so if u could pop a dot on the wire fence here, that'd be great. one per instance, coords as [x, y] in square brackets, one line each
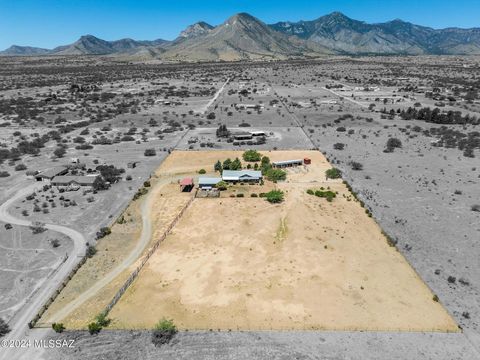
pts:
[147, 256]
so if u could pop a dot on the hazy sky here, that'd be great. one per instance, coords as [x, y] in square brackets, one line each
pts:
[49, 23]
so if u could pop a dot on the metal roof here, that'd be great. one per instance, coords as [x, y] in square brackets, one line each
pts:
[78, 179]
[209, 180]
[241, 174]
[186, 182]
[53, 172]
[287, 162]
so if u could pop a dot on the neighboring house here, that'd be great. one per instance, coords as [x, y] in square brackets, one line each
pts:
[50, 174]
[242, 136]
[74, 180]
[207, 183]
[258, 133]
[287, 163]
[241, 175]
[186, 185]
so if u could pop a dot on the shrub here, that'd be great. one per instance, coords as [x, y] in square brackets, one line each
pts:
[356, 165]
[333, 173]
[222, 185]
[91, 251]
[102, 319]
[8, 226]
[58, 327]
[476, 207]
[4, 328]
[275, 174]
[94, 328]
[338, 146]
[252, 156]
[253, 195]
[240, 195]
[104, 231]
[4, 174]
[392, 143]
[163, 332]
[20, 167]
[202, 171]
[274, 196]
[435, 298]
[150, 152]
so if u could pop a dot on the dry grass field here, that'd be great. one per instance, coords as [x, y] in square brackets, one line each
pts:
[242, 263]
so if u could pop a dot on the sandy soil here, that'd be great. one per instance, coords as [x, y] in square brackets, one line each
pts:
[305, 264]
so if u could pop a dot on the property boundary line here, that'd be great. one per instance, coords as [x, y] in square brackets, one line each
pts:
[150, 252]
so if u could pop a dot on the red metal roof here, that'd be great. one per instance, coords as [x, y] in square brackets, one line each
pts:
[186, 182]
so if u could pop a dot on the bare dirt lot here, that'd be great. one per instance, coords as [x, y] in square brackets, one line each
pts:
[242, 263]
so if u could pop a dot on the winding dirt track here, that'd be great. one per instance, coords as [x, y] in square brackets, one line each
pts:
[19, 322]
[143, 241]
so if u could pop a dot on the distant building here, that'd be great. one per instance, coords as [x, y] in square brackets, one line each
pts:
[242, 175]
[287, 163]
[50, 174]
[242, 136]
[207, 183]
[258, 133]
[74, 180]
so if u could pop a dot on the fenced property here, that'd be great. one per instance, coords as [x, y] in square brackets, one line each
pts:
[147, 256]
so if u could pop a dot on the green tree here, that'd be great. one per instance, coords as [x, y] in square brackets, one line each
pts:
[236, 164]
[275, 174]
[226, 164]
[251, 156]
[59, 152]
[274, 196]
[222, 185]
[218, 166]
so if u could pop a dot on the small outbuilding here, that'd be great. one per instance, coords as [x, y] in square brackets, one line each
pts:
[287, 163]
[208, 183]
[186, 184]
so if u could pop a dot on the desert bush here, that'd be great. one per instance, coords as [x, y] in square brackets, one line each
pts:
[58, 327]
[202, 171]
[356, 165]
[20, 167]
[104, 231]
[102, 320]
[163, 332]
[333, 173]
[91, 251]
[475, 207]
[94, 328]
[274, 196]
[150, 152]
[4, 328]
[338, 146]
[275, 174]
[4, 174]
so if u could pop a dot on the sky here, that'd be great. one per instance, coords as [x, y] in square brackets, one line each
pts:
[50, 23]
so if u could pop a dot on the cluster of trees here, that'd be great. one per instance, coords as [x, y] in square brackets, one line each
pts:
[450, 138]
[223, 132]
[436, 116]
[228, 165]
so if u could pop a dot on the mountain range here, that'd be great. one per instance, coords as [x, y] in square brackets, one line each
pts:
[244, 37]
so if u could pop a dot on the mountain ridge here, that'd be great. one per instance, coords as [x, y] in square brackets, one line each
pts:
[242, 36]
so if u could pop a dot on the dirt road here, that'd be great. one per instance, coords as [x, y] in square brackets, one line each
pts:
[143, 241]
[19, 322]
